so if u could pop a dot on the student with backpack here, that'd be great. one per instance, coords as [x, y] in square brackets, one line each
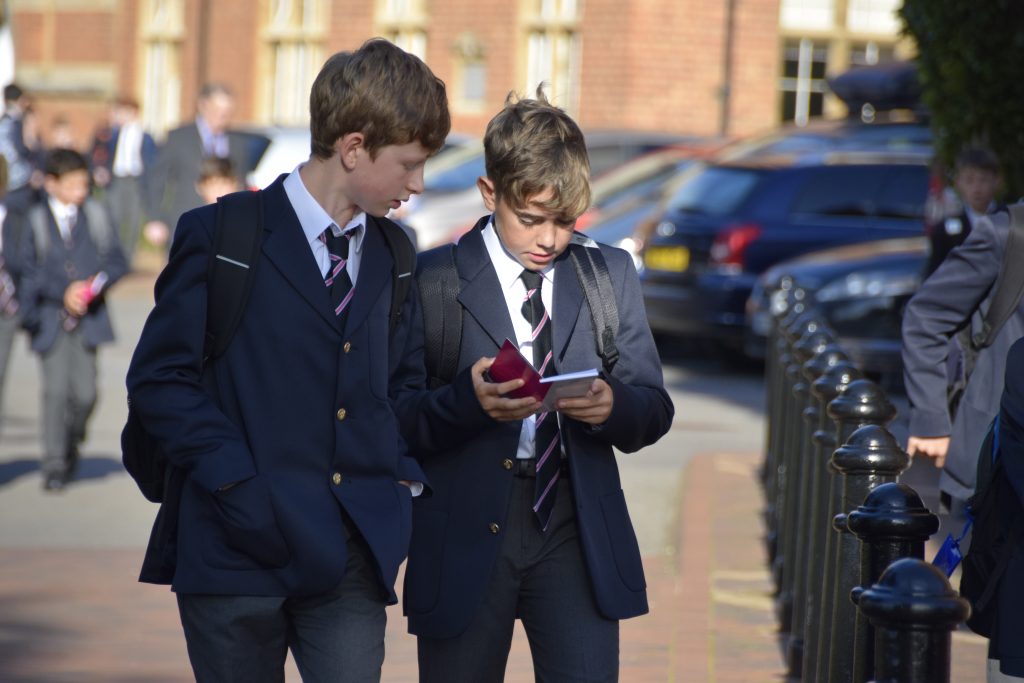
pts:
[70, 257]
[287, 497]
[527, 518]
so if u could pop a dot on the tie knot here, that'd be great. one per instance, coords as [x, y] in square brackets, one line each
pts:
[532, 279]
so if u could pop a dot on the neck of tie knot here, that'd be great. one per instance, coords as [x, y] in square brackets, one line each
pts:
[532, 279]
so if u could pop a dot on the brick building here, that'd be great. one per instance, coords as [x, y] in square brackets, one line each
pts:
[688, 66]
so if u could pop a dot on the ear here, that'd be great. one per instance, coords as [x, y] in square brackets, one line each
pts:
[349, 148]
[486, 187]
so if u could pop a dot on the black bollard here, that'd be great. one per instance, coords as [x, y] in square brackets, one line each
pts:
[826, 357]
[869, 458]
[891, 523]
[825, 389]
[792, 304]
[861, 403]
[807, 346]
[914, 612]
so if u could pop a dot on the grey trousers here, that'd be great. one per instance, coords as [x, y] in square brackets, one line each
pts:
[540, 578]
[69, 396]
[124, 197]
[8, 333]
[336, 637]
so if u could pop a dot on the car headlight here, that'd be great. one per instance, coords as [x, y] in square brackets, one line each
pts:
[869, 284]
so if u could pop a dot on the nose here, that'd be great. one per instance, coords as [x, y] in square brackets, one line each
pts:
[416, 181]
[546, 235]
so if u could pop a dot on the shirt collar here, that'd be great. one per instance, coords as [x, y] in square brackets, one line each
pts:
[312, 217]
[508, 268]
[60, 210]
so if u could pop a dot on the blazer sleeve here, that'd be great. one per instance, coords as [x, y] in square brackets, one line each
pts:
[642, 410]
[943, 305]
[164, 377]
[1011, 419]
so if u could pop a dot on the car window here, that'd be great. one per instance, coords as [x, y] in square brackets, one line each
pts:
[903, 193]
[839, 191]
[714, 191]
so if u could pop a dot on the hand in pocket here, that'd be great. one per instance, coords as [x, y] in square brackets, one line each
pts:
[249, 524]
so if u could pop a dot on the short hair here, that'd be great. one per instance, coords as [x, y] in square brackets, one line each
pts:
[127, 101]
[208, 90]
[13, 92]
[531, 146]
[980, 158]
[216, 167]
[381, 91]
[61, 161]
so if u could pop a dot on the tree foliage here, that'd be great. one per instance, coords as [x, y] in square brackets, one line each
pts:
[971, 67]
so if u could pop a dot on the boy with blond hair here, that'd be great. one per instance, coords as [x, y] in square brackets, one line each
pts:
[287, 509]
[527, 519]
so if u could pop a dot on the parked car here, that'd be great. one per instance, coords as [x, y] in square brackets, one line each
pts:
[860, 291]
[731, 220]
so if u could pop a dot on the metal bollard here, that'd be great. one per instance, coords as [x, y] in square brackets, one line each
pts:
[892, 523]
[869, 458]
[914, 612]
[825, 358]
[798, 451]
[825, 389]
[861, 403]
[774, 348]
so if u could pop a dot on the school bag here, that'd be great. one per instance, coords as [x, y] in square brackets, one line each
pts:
[101, 228]
[438, 281]
[238, 226]
[1006, 295]
[997, 518]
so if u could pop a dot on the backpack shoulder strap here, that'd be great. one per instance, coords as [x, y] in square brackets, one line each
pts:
[1009, 285]
[438, 279]
[596, 282]
[37, 218]
[404, 256]
[101, 226]
[236, 247]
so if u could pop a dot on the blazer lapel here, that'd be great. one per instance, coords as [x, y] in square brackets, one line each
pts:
[375, 268]
[480, 293]
[567, 304]
[286, 247]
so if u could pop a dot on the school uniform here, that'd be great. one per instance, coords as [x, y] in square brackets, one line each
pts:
[480, 556]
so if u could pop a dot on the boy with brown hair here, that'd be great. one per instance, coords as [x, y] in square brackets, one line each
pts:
[287, 511]
[217, 178]
[527, 519]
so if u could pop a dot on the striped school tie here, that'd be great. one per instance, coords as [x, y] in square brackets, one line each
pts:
[337, 278]
[547, 449]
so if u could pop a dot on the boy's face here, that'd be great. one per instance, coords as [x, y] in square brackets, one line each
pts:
[977, 187]
[70, 188]
[534, 235]
[382, 184]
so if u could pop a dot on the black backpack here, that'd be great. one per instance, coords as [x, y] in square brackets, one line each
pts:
[438, 281]
[233, 260]
[996, 515]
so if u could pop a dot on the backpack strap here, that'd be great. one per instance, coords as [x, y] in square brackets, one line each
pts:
[1009, 285]
[438, 279]
[404, 256]
[37, 218]
[101, 226]
[238, 227]
[596, 282]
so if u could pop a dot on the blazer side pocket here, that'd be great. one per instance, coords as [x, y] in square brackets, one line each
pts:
[426, 558]
[250, 527]
[622, 540]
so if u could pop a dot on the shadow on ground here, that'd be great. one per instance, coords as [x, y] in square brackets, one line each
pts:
[92, 467]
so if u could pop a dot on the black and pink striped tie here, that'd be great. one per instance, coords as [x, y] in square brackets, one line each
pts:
[546, 442]
[337, 278]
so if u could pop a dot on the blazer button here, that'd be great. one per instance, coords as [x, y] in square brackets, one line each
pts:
[341, 414]
[347, 347]
[494, 527]
[336, 478]
[507, 463]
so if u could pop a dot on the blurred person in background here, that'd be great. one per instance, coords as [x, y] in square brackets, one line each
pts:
[15, 147]
[10, 321]
[121, 155]
[976, 179]
[70, 256]
[171, 186]
[217, 178]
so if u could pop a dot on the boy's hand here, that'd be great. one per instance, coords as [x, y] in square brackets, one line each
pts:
[593, 408]
[491, 398]
[932, 446]
[76, 298]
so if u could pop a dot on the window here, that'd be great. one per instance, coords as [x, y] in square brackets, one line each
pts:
[162, 32]
[873, 16]
[714, 191]
[404, 23]
[867, 54]
[903, 193]
[840, 191]
[803, 80]
[807, 14]
[293, 40]
[553, 50]
[470, 87]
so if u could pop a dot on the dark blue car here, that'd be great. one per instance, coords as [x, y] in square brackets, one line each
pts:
[731, 220]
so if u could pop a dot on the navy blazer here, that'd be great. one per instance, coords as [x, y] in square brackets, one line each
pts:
[462, 449]
[42, 282]
[296, 410]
